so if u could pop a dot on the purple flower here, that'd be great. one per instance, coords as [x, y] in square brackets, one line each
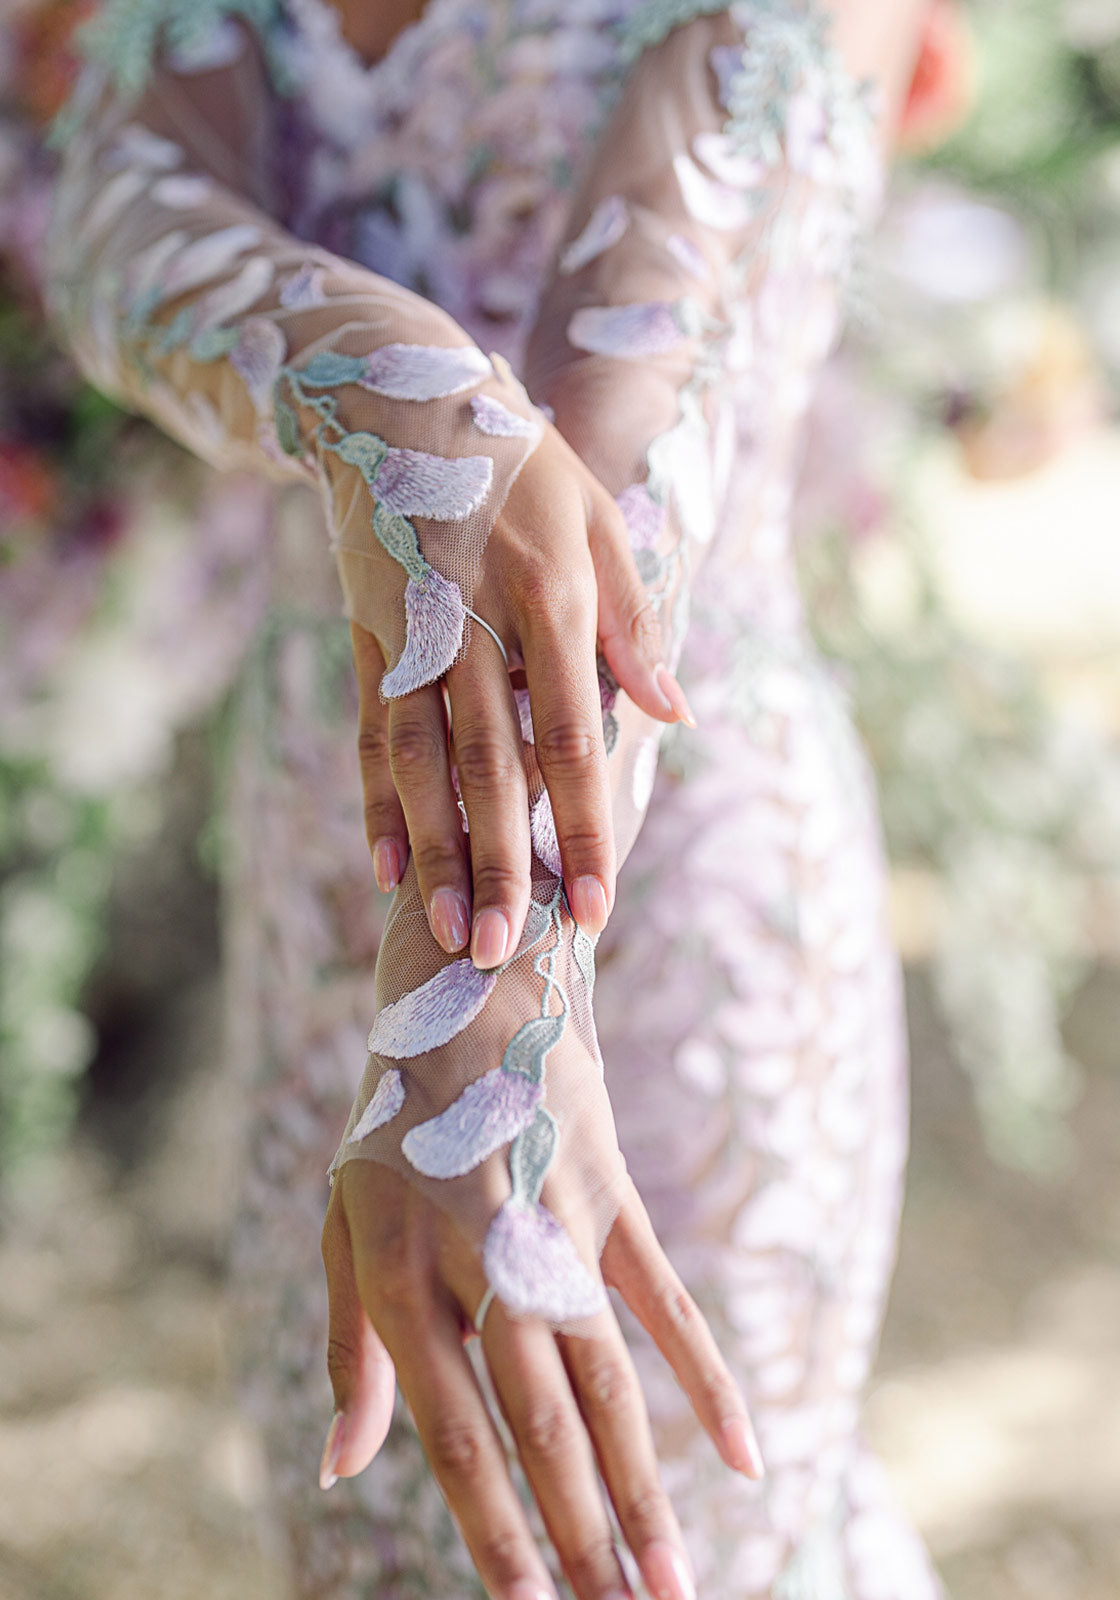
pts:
[493, 418]
[432, 1014]
[413, 483]
[434, 618]
[305, 288]
[542, 830]
[533, 1268]
[424, 372]
[606, 226]
[633, 333]
[388, 1098]
[716, 205]
[645, 519]
[488, 1114]
[258, 356]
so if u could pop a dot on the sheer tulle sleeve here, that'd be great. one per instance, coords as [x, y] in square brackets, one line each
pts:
[181, 295]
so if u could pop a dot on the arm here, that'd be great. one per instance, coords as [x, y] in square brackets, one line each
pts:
[180, 293]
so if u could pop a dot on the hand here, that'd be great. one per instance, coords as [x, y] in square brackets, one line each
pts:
[404, 1286]
[556, 575]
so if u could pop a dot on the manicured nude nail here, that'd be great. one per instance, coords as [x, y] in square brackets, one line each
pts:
[588, 900]
[666, 1573]
[328, 1467]
[741, 1447]
[450, 923]
[387, 867]
[491, 937]
[675, 695]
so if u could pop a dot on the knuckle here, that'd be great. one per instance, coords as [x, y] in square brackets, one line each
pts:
[592, 1565]
[548, 1429]
[646, 1512]
[486, 764]
[342, 1357]
[455, 1448]
[605, 1386]
[373, 744]
[677, 1308]
[437, 860]
[645, 630]
[574, 745]
[502, 1555]
[413, 749]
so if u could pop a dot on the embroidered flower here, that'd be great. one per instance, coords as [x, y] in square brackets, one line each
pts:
[493, 418]
[183, 191]
[258, 356]
[424, 372]
[208, 258]
[645, 519]
[606, 226]
[227, 302]
[388, 1098]
[534, 1269]
[633, 333]
[304, 289]
[415, 484]
[432, 1014]
[714, 204]
[542, 830]
[434, 618]
[489, 1113]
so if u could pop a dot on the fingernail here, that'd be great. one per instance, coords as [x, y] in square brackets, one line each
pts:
[387, 864]
[526, 1589]
[675, 695]
[741, 1447]
[328, 1467]
[491, 936]
[588, 900]
[666, 1573]
[450, 923]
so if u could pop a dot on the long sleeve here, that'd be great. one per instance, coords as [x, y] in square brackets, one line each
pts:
[181, 295]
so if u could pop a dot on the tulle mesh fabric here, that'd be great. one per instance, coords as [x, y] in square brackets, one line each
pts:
[735, 136]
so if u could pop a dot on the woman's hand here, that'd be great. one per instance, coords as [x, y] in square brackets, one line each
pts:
[556, 576]
[404, 1286]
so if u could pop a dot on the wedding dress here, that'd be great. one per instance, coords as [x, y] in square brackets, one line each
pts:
[331, 273]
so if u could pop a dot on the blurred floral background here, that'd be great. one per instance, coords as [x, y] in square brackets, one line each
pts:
[960, 523]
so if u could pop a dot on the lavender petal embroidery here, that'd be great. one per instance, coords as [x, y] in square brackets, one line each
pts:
[182, 191]
[415, 484]
[542, 830]
[304, 289]
[645, 519]
[258, 356]
[207, 257]
[493, 418]
[424, 372]
[524, 715]
[434, 617]
[634, 332]
[388, 1098]
[726, 161]
[138, 146]
[533, 1268]
[488, 1114]
[689, 256]
[231, 299]
[605, 227]
[432, 1014]
[714, 204]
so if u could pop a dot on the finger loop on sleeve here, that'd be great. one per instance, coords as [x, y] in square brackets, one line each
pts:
[474, 616]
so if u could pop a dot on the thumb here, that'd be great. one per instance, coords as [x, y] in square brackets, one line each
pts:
[629, 631]
[363, 1378]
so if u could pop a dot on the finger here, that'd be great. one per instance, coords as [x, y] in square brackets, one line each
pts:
[537, 1401]
[421, 770]
[610, 1401]
[629, 632]
[466, 1455]
[386, 830]
[488, 755]
[634, 1263]
[558, 645]
[363, 1380]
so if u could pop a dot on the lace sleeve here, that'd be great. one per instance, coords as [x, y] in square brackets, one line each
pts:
[181, 295]
[738, 163]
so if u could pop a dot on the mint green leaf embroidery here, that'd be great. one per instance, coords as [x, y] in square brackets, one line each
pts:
[527, 1049]
[213, 343]
[287, 427]
[364, 451]
[397, 536]
[584, 951]
[328, 369]
[531, 1155]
